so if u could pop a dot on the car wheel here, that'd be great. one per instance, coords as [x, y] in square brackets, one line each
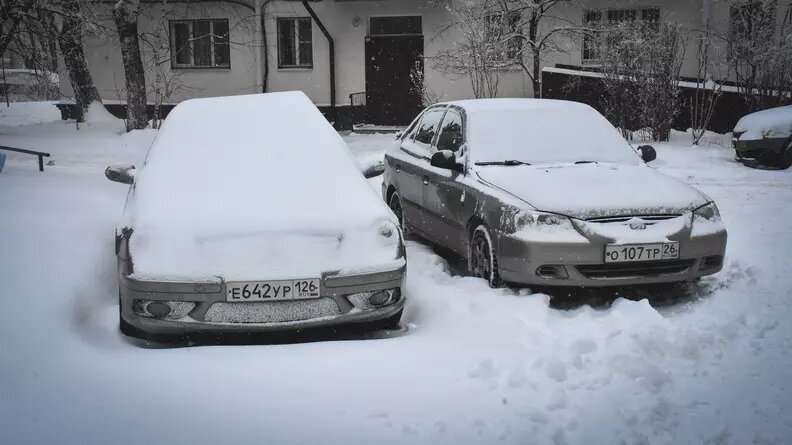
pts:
[482, 262]
[784, 159]
[395, 205]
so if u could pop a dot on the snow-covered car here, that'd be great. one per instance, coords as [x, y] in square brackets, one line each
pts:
[249, 214]
[765, 136]
[544, 192]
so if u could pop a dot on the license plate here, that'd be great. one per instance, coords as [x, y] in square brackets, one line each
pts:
[243, 292]
[624, 253]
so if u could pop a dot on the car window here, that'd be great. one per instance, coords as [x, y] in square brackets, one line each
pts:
[450, 137]
[425, 133]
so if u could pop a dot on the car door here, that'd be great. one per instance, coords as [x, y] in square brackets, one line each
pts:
[445, 195]
[411, 168]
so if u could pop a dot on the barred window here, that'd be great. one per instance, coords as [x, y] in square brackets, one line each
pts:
[295, 42]
[200, 43]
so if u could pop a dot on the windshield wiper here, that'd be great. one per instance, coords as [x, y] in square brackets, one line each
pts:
[510, 162]
[586, 162]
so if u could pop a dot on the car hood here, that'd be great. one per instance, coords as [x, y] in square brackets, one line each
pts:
[594, 190]
[256, 256]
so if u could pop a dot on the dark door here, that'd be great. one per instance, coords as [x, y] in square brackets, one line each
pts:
[394, 78]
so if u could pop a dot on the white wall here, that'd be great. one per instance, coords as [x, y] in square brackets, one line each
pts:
[104, 55]
[349, 40]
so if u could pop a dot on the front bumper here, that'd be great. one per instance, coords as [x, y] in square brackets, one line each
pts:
[581, 263]
[204, 308]
[748, 149]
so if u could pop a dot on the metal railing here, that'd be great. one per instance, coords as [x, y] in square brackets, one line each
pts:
[40, 154]
[357, 99]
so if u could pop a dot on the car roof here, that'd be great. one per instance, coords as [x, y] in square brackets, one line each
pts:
[488, 105]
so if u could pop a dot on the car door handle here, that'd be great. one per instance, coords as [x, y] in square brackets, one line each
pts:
[426, 180]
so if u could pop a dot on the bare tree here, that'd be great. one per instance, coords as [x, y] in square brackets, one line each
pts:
[708, 89]
[125, 13]
[70, 40]
[760, 52]
[532, 36]
[641, 63]
[478, 50]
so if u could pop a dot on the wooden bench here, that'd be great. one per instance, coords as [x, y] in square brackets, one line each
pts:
[40, 154]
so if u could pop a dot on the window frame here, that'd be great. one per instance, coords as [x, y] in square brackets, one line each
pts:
[212, 44]
[461, 117]
[296, 42]
[603, 15]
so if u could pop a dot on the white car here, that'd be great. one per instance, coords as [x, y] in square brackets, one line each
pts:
[248, 215]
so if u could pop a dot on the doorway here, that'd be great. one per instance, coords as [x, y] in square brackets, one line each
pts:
[394, 69]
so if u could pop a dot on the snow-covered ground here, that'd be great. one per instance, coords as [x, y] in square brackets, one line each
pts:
[474, 365]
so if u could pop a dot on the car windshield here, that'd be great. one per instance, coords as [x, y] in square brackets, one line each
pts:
[546, 135]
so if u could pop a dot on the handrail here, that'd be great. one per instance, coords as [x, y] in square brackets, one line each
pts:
[40, 154]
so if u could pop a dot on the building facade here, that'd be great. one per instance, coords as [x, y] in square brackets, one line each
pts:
[344, 52]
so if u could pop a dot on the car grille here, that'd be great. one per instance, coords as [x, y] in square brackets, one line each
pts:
[272, 311]
[648, 219]
[632, 270]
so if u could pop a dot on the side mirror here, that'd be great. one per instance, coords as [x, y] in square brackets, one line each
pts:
[399, 135]
[648, 153]
[123, 173]
[445, 159]
[374, 170]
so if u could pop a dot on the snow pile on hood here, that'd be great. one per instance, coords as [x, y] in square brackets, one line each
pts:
[538, 131]
[252, 187]
[772, 123]
[595, 190]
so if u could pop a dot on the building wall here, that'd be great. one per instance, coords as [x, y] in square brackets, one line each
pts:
[340, 19]
[104, 54]
[347, 22]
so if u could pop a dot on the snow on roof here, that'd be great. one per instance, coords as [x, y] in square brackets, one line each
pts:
[770, 123]
[256, 161]
[477, 105]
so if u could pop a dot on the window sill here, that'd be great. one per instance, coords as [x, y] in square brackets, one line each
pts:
[295, 68]
[200, 68]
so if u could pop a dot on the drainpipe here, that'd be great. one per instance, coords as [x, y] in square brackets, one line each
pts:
[331, 46]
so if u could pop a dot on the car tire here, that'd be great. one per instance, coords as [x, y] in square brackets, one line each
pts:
[784, 159]
[394, 202]
[482, 261]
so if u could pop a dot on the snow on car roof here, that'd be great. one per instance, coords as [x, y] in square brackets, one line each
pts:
[771, 123]
[262, 161]
[476, 105]
[528, 130]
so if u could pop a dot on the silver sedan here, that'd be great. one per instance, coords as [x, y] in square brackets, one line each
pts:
[543, 192]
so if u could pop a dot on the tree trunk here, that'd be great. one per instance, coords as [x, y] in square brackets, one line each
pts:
[126, 14]
[70, 41]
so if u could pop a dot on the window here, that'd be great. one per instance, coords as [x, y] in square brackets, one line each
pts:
[591, 20]
[450, 137]
[507, 26]
[200, 44]
[425, 133]
[388, 26]
[295, 42]
[597, 20]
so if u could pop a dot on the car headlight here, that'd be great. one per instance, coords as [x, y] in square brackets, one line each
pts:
[709, 212]
[542, 220]
[388, 233]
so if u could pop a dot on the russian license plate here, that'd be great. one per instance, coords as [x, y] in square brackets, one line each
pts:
[243, 292]
[624, 253]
